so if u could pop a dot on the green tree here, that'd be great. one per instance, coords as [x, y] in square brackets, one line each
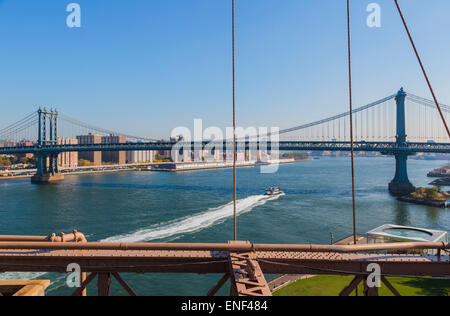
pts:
[5, 161]
[432, 194]
[84, 163]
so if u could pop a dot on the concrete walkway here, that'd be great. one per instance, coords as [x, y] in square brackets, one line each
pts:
[287, 279]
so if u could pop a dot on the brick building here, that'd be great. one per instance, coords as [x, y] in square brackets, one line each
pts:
[114, 157]
[68, 159]
[95, 157]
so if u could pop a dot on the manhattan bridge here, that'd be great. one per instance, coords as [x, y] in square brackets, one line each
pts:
[400, 125]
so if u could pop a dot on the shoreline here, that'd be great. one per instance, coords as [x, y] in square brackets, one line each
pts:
[140, 169]
[410, 199]
[65, 174]
[211, 166]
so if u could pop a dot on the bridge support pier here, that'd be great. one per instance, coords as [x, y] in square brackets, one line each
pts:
[47, 170]
[401, 185]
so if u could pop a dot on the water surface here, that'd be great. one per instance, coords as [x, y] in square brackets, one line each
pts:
[196, 207]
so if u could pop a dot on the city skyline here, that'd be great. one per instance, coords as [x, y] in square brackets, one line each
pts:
[147, 67]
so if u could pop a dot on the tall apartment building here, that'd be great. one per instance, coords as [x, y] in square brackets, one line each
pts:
[138, 156]
[95, 157]
[69, 159]
[115, 157]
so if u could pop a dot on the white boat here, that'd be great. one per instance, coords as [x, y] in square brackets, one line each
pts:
[273, 191]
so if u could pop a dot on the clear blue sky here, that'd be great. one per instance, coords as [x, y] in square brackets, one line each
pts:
[146, 66]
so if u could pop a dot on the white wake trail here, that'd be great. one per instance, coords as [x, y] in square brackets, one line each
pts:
[193, 223]
[19, 276]
[187, 225]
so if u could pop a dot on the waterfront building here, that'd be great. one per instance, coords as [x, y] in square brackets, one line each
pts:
[213, 155]
[165, 153]
[67, 159]
[252, 154]
[139, 156]
[248, 155]
[262, 156]
[181, 156]
[114, 157]
[228, 155]
[240, 156]
[94, 157]
[198, 155]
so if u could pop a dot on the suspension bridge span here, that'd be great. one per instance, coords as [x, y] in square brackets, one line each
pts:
[400, 125]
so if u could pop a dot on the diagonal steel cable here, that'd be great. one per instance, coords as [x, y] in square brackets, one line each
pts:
[351, 119]
[101, 130]
[422, 67]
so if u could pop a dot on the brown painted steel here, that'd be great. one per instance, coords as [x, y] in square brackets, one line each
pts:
[219, 285]
[389, 286]
[104, 284]
[353, 286]
[247, 277]
[370, 291]
[124, 284]
[243, 247]
[234, 118]
[352, 142]
[73, 237]
[84, 284]
[251, 261]
[422, 67]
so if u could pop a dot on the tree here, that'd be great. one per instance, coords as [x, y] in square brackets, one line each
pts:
[432, 194]
[84, 163]
[5, 161]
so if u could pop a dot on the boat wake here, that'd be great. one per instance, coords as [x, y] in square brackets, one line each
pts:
[194, 223]
[17, 276]
[182, 226]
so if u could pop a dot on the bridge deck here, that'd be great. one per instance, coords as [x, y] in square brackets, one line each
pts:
[387, 147]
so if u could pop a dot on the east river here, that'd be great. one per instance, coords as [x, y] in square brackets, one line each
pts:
[197, 207]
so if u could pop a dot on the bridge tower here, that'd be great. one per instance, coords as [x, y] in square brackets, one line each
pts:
[401, 185]
[47, 161]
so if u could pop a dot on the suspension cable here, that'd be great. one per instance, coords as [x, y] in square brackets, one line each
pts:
[18, 129]
[351, 119]
[422, 67]
[426, 102]
[100, 130]
[234, 121]
[21, 122]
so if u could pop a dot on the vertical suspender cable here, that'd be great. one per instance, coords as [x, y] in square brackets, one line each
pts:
[234, 123]
[351, 120]
[422, 66]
